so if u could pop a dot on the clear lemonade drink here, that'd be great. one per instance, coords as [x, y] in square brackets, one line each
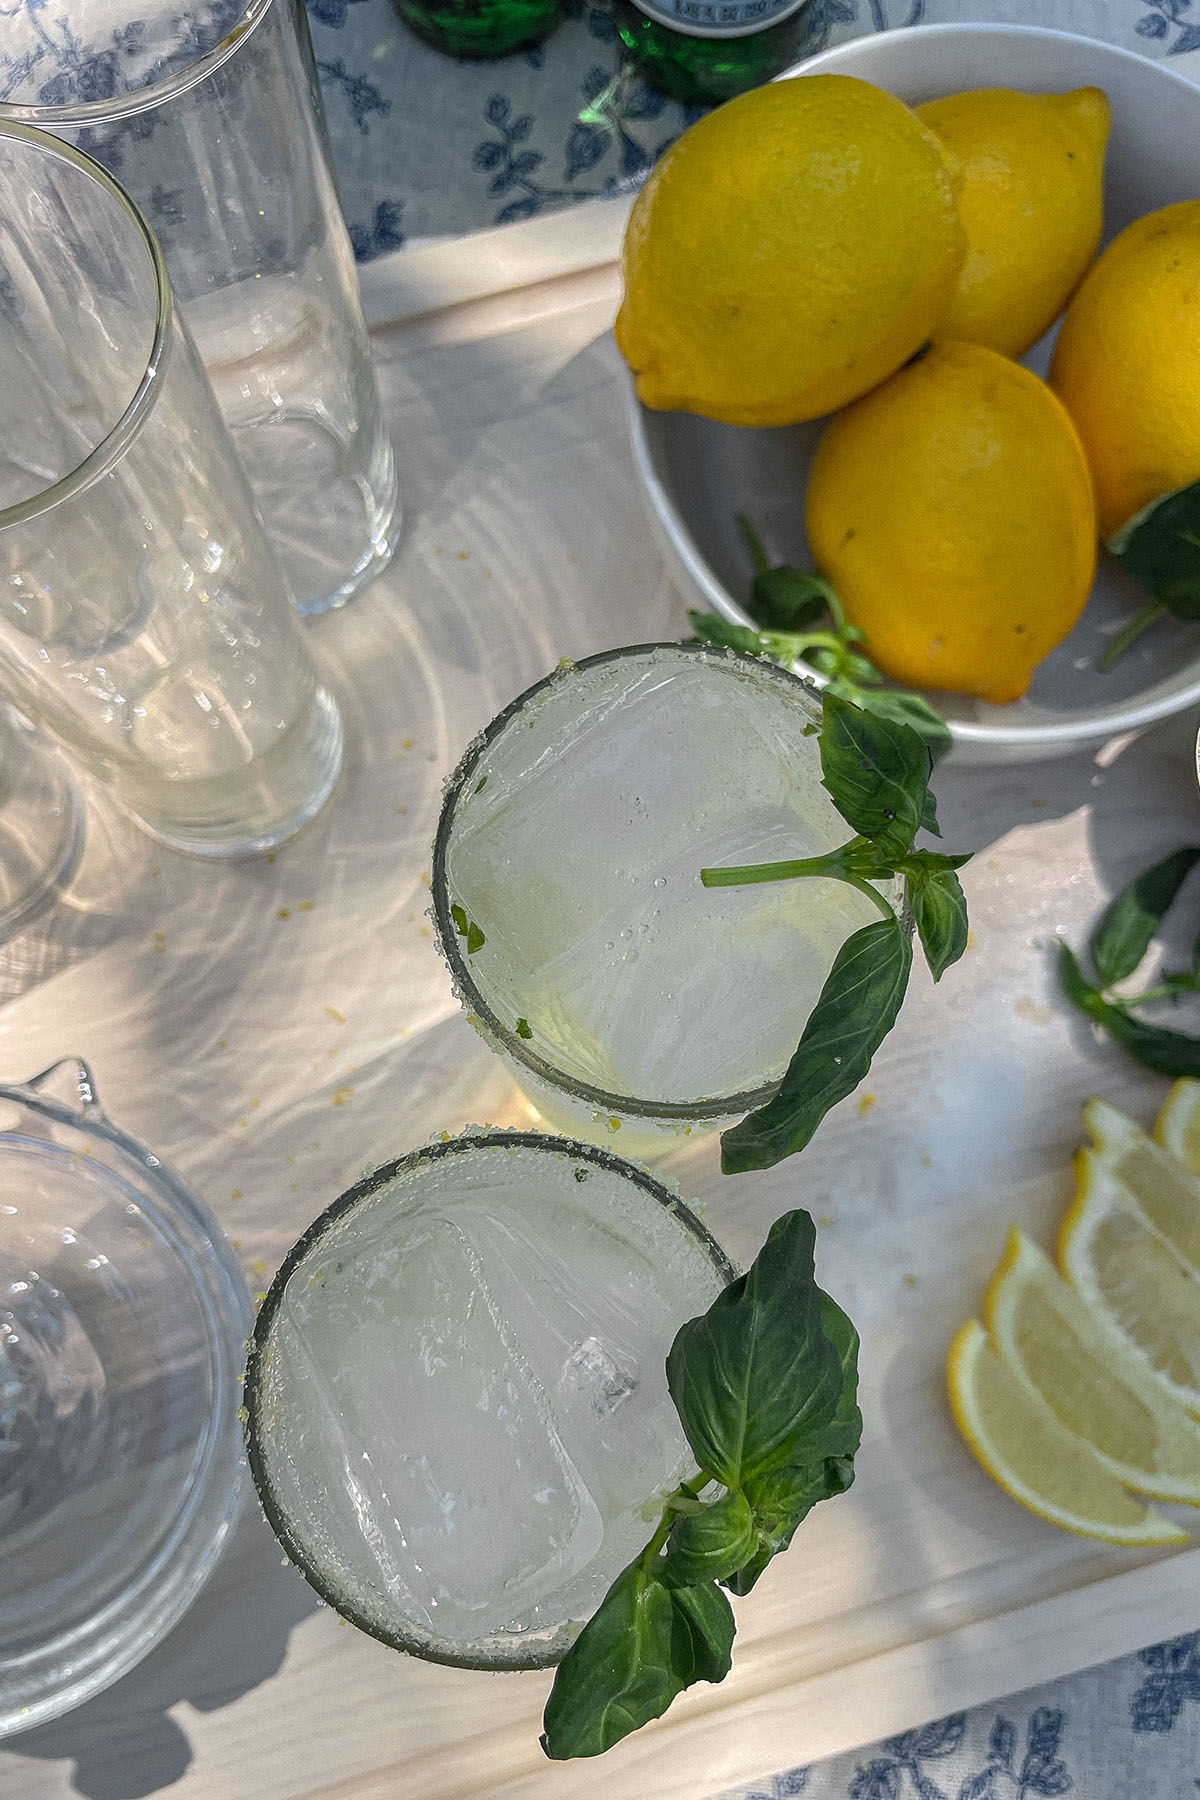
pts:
[457, 1410]
[568, 900]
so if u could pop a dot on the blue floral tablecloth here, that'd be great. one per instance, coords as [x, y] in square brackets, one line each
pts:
[429, 147]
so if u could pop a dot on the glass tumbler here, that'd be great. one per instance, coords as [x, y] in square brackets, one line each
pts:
[144, 620]
[210, 116]
[41, 824]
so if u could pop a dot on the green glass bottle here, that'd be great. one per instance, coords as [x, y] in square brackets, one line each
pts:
[481, 28]
[704, 51]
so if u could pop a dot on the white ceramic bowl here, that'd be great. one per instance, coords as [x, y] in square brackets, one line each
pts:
[699, 475]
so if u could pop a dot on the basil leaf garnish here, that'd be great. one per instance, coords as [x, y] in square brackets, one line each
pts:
[939, 909]
[645, 1644]
[713, 1542]
[856, 1009]
[735, 1374]
[765, 1385]
[876, 771]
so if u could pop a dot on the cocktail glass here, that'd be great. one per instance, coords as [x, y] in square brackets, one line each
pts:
[457, 1412]
[567, 897]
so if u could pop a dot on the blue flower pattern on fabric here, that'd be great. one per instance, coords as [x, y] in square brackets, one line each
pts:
[1174, 1677]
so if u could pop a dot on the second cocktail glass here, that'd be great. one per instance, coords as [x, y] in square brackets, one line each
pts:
[457, 1409]
[567, 895]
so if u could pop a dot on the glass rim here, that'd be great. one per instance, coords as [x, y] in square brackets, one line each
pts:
[258, 1345]
[113, 446]
[152, 94]
[600, 1100]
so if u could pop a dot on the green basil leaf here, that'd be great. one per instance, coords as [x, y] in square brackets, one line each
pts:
[876, 772]
[713, 1542]
[782, 1498]
[1078, 990]
[710, 628]
[787, 599]
[755, 1377]
[907, 709]
[467, 928]
[1127, 925]
[1170, 1053]
[856, 1009]
[1160, 548]
[644, 1645]
[940, 911]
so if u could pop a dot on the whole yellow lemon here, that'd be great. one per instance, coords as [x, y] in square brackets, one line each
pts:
[952, 511]
[789, 250]
[1127, 363]
[1031, 178]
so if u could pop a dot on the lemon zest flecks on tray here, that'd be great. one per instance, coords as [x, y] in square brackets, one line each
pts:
[1080, 1391]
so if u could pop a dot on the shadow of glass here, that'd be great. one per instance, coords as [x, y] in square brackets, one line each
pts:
[124, 1744]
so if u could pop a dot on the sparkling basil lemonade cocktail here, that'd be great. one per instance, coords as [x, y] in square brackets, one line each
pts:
[457, 1410]
[568, 901]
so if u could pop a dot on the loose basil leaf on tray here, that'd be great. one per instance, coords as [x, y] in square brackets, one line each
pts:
[765, 1385]
[1117, 945]
[876, 771]
[1127, 925]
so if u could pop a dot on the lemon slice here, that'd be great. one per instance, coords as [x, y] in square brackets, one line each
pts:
[1022, 1445]
[1177, 1128]
[1046, 1335]
[1164, 1191]
[1136, 1287]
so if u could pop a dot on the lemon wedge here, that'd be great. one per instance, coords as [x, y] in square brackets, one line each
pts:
[1164, 1190]
[1046, 1334]
[1138, 1289]
[1177, 1127]
[1035, 1459]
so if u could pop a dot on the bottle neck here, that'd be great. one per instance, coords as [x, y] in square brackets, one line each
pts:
[718, 18]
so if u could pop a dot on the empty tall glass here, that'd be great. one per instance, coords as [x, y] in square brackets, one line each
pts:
[41, 824]
[144, 620]
[211, 117]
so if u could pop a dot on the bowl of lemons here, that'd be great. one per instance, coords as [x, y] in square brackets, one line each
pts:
[914, 338]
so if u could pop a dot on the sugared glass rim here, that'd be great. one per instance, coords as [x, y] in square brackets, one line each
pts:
[598, 1099]
[113, 446]
[153, 93]
[259, 1346]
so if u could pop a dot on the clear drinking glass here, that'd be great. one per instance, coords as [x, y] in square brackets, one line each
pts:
[211, 117]
[457, 1411]
[41, 824]
[144, 622]
[567, 897]
[123, 1312]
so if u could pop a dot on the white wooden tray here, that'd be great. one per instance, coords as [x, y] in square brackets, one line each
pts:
[273, 1028]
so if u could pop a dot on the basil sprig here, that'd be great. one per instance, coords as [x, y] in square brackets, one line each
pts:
[799, 618]
[1160, 548]
[765, 1386]
[1118, 943]
[876, 771]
